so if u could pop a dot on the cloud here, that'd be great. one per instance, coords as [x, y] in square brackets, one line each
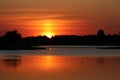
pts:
[39, 14]
[29, 11]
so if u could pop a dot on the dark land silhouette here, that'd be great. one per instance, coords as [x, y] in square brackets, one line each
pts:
[13, 40]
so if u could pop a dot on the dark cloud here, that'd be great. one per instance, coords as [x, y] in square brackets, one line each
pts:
[29, 11]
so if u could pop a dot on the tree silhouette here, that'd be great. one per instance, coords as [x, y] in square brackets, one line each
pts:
[12, 36]
[13, 40]
[100, 33]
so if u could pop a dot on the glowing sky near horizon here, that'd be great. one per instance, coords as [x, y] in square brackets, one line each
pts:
[66, 17]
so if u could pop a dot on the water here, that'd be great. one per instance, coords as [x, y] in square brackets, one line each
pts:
[60, 63]
[66, 51]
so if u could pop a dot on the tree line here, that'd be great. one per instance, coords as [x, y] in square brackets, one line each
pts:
[14, 39]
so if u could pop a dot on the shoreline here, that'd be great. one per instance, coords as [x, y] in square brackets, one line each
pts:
[25, 48]
[44, 47]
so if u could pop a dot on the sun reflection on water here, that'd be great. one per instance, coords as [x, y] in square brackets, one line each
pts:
[48, 62]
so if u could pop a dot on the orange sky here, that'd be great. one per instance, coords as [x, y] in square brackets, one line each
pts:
[59, 17]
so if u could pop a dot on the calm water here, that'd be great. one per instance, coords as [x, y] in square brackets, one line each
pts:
[61, 63]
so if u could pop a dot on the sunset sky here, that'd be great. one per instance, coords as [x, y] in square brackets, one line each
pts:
[59, 17]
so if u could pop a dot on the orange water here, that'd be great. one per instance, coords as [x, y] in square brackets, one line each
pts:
[46, 67]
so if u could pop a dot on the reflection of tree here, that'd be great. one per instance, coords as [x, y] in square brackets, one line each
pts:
[12, 61]
[100, 60]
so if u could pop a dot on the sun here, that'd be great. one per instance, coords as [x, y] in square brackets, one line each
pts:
[48, 28]
[48, 34]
